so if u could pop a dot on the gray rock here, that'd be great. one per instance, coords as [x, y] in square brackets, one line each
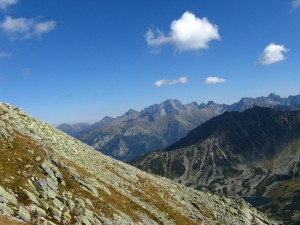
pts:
[3, 200]
[9, 197]
[32, 197]
[70, 204]
[40, 212]
[58, 204]
[80, 203]
[38, 159]
[55, 212]
[24, 214]
[89, 203]
[6, 209]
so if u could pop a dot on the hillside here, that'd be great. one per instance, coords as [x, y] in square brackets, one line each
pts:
[250, 153]
[160, 125]
[47, 177]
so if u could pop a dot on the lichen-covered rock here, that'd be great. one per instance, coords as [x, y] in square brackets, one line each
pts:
[24, 214]
[6, 209]
[6, 196]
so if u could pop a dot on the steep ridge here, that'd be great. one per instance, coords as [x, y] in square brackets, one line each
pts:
[47, 177]
[136, 133]
[250, 153]
[160, 125]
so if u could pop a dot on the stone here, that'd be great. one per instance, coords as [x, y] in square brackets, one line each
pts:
[40, 212]
[3, 200]
[70, 204]
[9, 197]
[38, 159]
[6, 209]
[24, 214]
[58, 204]
[80, 203]
[32, 197]
[88, 213]
[55, 212]
[89, 203]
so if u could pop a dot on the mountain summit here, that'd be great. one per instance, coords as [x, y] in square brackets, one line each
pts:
[160, 125]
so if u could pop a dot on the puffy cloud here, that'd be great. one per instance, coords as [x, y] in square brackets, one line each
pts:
[22, 28]
[187, 33]
[4, 4]
[295, 4]
[214, 80]
[163, 82]
[272, 53]
[5, 55]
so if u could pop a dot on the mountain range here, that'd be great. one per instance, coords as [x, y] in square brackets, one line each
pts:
[160, 125]
[48, 177]
[254, 153]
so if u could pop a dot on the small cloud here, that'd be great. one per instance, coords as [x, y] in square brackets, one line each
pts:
[164, 82]
[22, 28]
[26, 72]
[214, 80]
[295, 4]
[4, 4]
[187, 33]
[5, 55]
[272, 54]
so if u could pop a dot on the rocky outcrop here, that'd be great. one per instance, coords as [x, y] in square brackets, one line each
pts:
[47, 177]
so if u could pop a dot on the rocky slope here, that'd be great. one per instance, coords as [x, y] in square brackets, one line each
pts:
[159, 125]
[47, 177]
[253, 153]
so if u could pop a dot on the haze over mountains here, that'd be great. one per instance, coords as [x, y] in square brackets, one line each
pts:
[251, 153]
[47, 177]
[157, 126]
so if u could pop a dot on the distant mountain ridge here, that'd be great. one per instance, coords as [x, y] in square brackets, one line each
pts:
[160, 125]
[251, 153]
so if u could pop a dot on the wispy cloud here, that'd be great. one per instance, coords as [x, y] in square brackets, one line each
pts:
[214, 80]
[187, 33]
[5, 55]
[25, 72]
[164, 82]
[4, 4]
[22, 28]
[272, 54]
[295, 4]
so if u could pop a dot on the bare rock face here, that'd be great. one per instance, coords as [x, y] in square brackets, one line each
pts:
[47, 177]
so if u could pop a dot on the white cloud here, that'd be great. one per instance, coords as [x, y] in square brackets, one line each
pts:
[22, 28]
[5, 55]
[272, 53]
[163, 82]
[4, 4]
[295, 4]
[187, 33]
[214, 80]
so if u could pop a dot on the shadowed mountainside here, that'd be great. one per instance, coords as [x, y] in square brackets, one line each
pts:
[250, 153]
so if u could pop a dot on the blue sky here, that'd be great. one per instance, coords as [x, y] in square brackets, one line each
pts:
[77, 61]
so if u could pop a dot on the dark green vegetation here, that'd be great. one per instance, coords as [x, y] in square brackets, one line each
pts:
[157, 126]
[250, 153]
